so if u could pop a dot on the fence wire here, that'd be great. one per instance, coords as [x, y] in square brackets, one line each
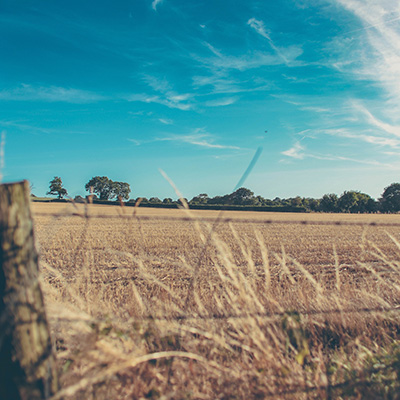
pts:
[268, 221]
[250, 315]
[329, 389]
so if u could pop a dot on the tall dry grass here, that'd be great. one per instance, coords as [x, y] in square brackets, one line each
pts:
[179, 310]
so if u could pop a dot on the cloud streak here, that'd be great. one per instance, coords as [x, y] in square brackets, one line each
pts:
[259, 27]
[165, 94]
[296, 152]
[155, 3]
[375, 122]
[227, 101]
[372, 139]
[198, 138]
[49, 94]
[381, 57]
[244, 62]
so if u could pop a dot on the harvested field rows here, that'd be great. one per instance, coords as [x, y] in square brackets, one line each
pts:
[249, 310]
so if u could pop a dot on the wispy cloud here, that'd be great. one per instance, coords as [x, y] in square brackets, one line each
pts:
[372, 139]
[134, 141]
[381, 57]
[222, 83]
[227, 101]
[198, 138]
[259, 27]
[171, 102]
[304, 105]
[165, 94]
[49, 94]
[166, 121]
[389, 128]
[35, 129]
[25, 127]
[155, 3]
[252, 60]
[297, 152]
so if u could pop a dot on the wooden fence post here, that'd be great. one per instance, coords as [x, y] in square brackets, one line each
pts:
[27, 365]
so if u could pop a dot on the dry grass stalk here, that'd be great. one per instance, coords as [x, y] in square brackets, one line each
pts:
[269, 310]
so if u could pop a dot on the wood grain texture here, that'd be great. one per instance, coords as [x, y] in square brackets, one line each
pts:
[27, 364]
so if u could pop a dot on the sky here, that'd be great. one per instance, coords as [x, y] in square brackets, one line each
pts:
[125, 88]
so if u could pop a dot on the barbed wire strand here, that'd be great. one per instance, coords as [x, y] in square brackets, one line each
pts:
[222, 220]
[294, 390]
[210, 317]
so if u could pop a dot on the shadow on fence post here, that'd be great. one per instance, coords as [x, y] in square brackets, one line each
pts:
[27, 365]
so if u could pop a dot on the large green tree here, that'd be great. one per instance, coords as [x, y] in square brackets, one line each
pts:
[390, 200]
[348, 202]
[120, 190]
[107, 189]
[329, 202]
[202, 198]
[56, 188]
[242, 196]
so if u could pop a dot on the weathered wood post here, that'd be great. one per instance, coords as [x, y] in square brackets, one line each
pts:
[27, 366]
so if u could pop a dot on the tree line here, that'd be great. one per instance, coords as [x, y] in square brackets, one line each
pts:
[349, 202]
[100, 187]
[352, 201]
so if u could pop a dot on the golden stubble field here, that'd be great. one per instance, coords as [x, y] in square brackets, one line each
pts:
[162, 307]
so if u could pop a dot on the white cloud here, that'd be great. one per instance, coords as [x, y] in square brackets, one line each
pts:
[328, 157]
[49, 94]
[165, 94]
[170, 102]
[380, 56]
[166, 121]
[253, 60]
[136, 142]
[392, 129]
[159, 85]
[198, 138]
[259, 27]
[227, 101]
[297, 152]
[372, 139]
[155, 3]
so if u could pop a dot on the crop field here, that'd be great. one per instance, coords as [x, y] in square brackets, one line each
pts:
[175, 304]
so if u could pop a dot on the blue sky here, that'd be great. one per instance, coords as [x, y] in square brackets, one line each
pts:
[195, 87]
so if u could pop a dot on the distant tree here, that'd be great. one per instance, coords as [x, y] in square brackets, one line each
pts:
[56, 188]
[155, 200]
[285, 202]
[348, 202]
[242, 196]
[366, 203]
[313, 204]
[167, 200]
[101, 185]
[106, 189]
[202, 198]
[259, 201]
[390, 199]
[356, 202]
[216, 200]
[120, 189]
[296, 201]
[329, 203]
